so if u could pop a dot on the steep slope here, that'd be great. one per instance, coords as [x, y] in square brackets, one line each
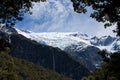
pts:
[102, 41]
[57, 39]
[87, 56]
[64, 39]
[109, 43]
[12, 68]
[80, 46]
[46, 56]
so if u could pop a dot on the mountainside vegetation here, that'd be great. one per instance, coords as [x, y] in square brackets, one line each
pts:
[12, 68]
[87, 56]
[47, 56]
[109, 69]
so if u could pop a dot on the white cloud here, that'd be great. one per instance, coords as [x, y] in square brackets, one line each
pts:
[58, 16]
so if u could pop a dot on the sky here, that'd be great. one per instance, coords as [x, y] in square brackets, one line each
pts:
[59, 16]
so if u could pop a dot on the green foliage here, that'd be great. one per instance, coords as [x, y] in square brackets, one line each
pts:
[47, 56]
[106, 11]
[4, 45]
[84, 78]
[12, 10]
[88, 78]
[112, 78]
[12, 68]
[7, 67]
[17, 69]
[91, 77]
[109, 69]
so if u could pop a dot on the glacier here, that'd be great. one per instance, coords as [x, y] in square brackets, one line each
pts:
[65, 39]
[79, 46]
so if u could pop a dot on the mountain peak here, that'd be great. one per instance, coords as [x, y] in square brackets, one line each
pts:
[64, 39]
[8, 29]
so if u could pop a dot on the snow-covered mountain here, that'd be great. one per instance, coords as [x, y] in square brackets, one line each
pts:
[81, 47]
[43, 55]
[65, 39]
[8, 29]
[56, 39]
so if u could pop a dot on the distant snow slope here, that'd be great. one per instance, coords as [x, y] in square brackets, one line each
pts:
[80, 47]
[65, 39]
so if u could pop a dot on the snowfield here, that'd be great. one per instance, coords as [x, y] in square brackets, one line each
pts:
[65, 39]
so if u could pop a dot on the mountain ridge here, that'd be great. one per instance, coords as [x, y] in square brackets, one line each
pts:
[69, 38]
[78, 44]
[46, 56]
[81, 47]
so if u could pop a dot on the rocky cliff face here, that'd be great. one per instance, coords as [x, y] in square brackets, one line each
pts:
[87, 56]
[102, 41]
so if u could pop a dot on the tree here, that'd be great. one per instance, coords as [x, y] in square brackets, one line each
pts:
[12, 10]
[4, 45]
[109, 69]
[88, 78]
[106, 11]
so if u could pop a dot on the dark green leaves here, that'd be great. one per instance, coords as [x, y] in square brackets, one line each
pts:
[12, 10]
[106, 11]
